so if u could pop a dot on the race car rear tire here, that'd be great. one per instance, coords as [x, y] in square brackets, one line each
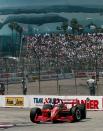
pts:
[47, 106]
[82, 107]
[33, 113]
[76, 112]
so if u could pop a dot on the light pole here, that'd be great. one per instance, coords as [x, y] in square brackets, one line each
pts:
[96, 68]
[57, 62]
[74, 49]
[39, 61]
[6, 67]
[39, 74]
[75, 69]
[57, 70]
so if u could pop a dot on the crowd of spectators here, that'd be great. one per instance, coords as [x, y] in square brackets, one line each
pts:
[65, 51]
[59, 52]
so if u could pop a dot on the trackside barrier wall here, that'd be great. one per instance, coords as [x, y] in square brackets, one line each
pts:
[29, 101]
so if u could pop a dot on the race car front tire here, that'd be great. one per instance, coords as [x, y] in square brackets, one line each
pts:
[76, 112]
[82, 107]
[33, 113]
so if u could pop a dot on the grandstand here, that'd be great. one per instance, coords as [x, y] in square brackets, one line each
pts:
[57, 57]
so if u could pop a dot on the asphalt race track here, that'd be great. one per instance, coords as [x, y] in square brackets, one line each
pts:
[19, 119]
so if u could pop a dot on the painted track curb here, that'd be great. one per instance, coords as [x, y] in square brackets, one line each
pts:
[6, 125]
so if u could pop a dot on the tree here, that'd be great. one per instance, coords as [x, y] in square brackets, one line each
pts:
[15, 26]
[12, 27]
[64, 26]
[19, 29]
[75, 25]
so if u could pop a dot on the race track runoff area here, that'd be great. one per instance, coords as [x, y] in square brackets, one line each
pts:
[19, 119]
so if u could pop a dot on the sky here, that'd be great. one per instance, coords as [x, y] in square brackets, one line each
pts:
[11, 3]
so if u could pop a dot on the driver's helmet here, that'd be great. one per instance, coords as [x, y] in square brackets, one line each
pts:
[60, 105]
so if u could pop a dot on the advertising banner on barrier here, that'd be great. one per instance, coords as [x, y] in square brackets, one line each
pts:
[29, 101]
[91, 102]
[14, 101]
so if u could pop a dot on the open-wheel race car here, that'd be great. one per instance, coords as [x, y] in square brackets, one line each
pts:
[58, 113]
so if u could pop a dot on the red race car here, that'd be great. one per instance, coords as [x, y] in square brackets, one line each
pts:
[58, 113]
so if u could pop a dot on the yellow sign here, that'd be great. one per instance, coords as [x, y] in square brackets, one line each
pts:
[35, 78]
[14, 101]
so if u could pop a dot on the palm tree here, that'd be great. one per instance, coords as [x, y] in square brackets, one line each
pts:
[19, 30]
[12, 27]
[15, 26]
